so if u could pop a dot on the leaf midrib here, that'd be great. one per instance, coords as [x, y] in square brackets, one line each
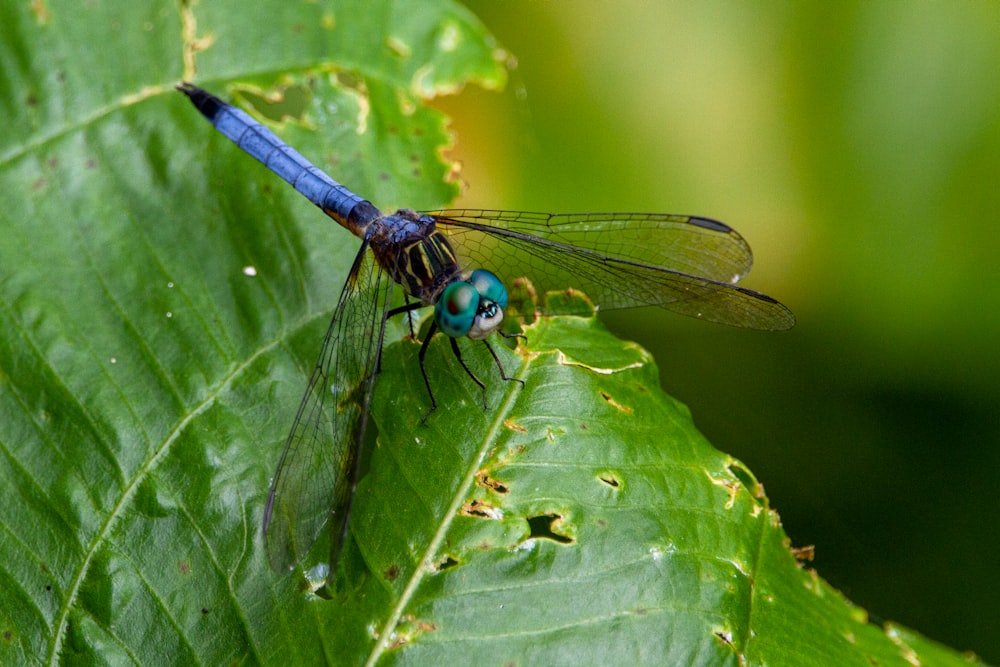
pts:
[500, 415]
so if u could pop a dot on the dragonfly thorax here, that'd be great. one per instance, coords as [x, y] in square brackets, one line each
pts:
[412, 250]
[472, 307]
[420, 258]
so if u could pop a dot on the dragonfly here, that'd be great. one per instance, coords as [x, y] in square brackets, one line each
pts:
[455, 261]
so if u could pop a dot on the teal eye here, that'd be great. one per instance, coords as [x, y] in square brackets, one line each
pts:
[456, 310]
[489, 287]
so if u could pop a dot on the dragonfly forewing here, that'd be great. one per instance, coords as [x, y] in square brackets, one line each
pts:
[686, 244]
[316, 475]
[621, 260]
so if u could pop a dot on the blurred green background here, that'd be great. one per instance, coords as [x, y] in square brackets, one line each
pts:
[857, 147]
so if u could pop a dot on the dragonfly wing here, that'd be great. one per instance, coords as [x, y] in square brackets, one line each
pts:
[682, 243]
[316, 474]
[621, 260]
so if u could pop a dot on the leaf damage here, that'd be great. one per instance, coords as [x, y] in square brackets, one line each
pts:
[610, 479]
[478, 509]
[546, 527]
[445, 563]
[565, 360]
[609, 399]
[483, 479]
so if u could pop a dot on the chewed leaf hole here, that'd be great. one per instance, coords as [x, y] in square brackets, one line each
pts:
[542, 528]
[746, 478]
[615, 404]
[477, 509]
[724, 636]
[496, 485]
[280, 104]
[445, 563]
[610, 479]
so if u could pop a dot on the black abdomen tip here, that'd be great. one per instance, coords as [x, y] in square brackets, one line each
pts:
[204, 101]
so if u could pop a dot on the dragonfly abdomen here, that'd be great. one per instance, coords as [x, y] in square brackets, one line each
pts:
[336, 200]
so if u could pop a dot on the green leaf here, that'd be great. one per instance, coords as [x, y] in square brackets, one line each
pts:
[162, 299]
[162, 295]
[581, 519]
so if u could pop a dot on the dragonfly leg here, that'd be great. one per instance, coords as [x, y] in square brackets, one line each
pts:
[423, 371]
[406, 308]
[508, 336]
[503, 373]
[409, 315]
[458, 355]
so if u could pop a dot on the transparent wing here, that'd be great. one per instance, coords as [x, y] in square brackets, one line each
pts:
[315, 477]
[621, 260]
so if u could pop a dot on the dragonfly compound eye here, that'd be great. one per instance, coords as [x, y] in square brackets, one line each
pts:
[457, 309]
[489, 287]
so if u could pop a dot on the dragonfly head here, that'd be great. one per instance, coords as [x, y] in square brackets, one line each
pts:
[472, 307]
